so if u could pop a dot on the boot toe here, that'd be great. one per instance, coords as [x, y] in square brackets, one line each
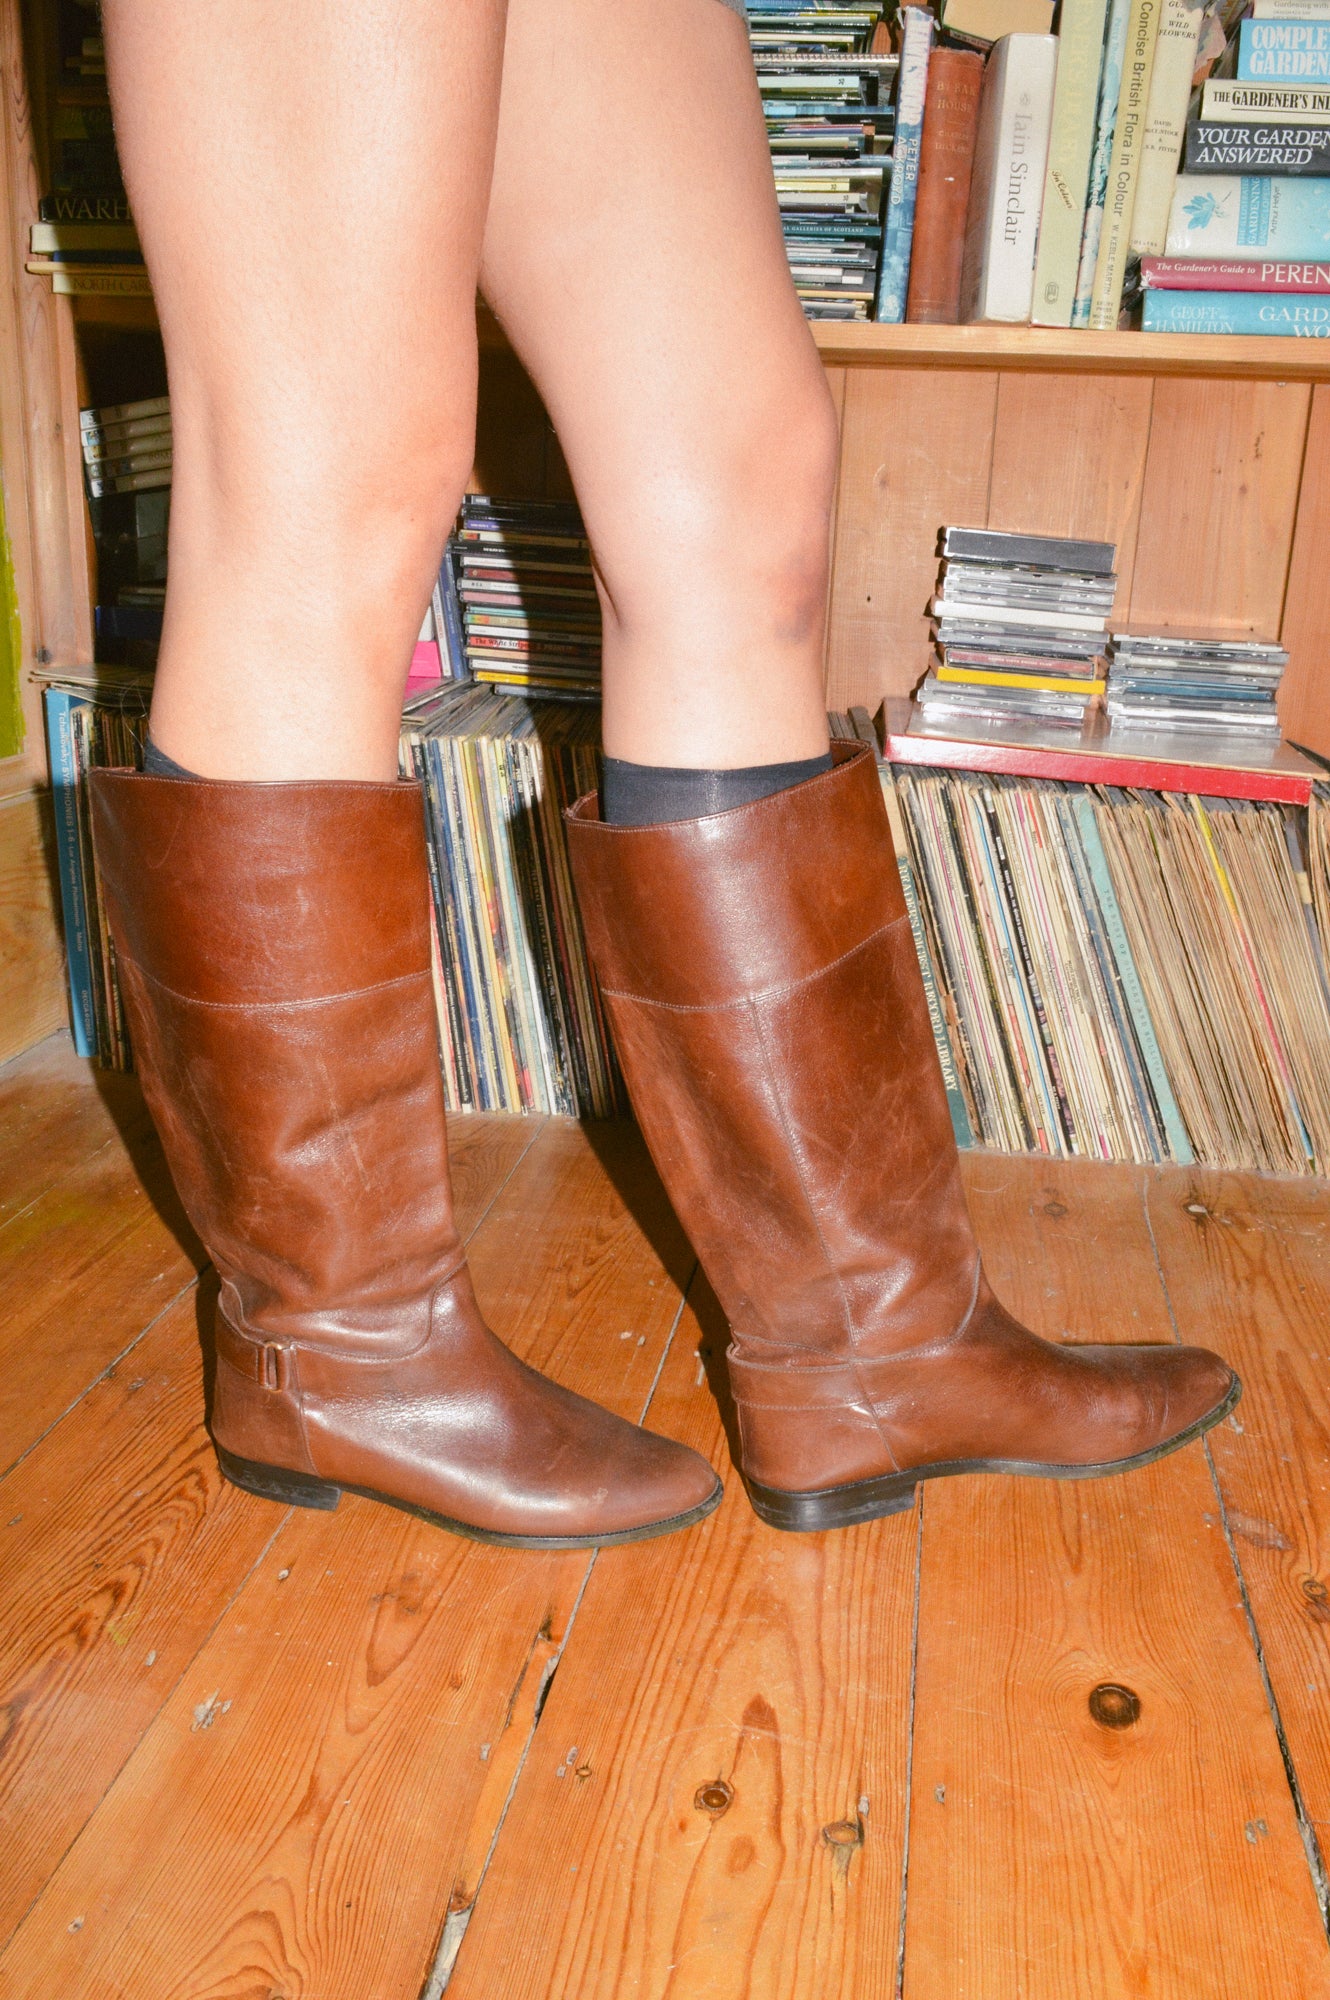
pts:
[658, 1482]
[1197, 1384]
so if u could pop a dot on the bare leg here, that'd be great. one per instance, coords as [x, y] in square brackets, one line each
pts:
[633, 253]
[310, 186]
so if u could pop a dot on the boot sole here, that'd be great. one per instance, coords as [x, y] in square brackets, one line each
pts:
[869, 1499]
[306, 1489]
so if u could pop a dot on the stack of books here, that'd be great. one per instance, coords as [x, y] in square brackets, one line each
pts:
[81, 250]
[1248, 245]
[1217, 685]
[1020, 628]
[829, 123]
[88, 727]
[126, 446]
[127, 461]
[1031, 171]
[529, 611]
[521, 1022]
[84, 240]
[1119, 975]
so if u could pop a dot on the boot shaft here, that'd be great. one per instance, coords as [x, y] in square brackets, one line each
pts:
[273, 945]
[760, 973]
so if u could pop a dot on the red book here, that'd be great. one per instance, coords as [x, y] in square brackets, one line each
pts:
[1229, 274]
[946, 154]
[1214, 766]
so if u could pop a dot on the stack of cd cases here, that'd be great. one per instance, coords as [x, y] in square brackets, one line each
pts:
[825, 96]
[530, 614]
[1217, 685]
[1021, 628]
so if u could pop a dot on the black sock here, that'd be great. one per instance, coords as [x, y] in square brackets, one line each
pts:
[156, 764]
[654, 794]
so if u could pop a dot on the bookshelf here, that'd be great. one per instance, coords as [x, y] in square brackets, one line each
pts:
[1065, 352]
[1206, 459]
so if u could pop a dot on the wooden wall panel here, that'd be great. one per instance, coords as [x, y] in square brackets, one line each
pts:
[916, 451]
[1304, 698]
[32, 984]
[1220, 499]
[1069, 454]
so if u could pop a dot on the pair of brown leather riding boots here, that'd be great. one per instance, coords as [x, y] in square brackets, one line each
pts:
[273, 942]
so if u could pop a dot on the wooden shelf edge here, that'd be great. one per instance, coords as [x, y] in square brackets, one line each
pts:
[1050, 349]
[1066, 353]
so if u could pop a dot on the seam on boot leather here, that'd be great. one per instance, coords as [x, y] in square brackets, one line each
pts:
[366, 1360]
[779, 1102]
[767, 993]
[273, 1006]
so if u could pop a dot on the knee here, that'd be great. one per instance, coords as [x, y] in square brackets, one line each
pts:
[741, 506]
[362, 498]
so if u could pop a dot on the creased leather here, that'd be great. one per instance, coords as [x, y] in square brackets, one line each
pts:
[274, 949]
[769, 1014]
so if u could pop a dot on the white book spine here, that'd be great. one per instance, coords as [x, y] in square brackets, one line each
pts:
[1165, 123]
[1011, 155]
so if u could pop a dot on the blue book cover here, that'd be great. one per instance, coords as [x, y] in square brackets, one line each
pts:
[58, 704]
[449, 628]
[1284, 52]
[893, 281]
[1106, 119]
[1278, 218]
[1299, 315]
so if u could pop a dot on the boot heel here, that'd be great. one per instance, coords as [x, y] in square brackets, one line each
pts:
[274, 1482]
[834, 1506]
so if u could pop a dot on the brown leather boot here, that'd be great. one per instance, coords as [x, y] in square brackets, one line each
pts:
[273, 944]
[761, 977]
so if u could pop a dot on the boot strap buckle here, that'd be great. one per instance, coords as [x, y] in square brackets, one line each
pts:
[274, 1366]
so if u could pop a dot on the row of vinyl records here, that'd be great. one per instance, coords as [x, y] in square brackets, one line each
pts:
[1118, 975]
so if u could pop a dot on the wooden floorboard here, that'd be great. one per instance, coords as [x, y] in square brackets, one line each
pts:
[1246, 1262]
[120, 1545]
[83, 1270]
[248, 1754]
[715, 1802]
[292, 1821]
[54, 1109]
[1052, 1856]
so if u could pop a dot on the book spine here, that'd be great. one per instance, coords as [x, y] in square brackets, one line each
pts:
[1256, 149]
[946, 156]
[1110, 83]
[449, 624]
[1221, 99]
[1011, 155]
[45, 238]
[1231, 274]
[1120, 197]
[1165, 122]
[1067, 178]
[1034, 1005]
[1236, 312]
[1133, 993]
[113, 208]
[916, 44]
[1284, 52]
[960, 1117]
[1257, 216]
[70, 282]
[69, 860]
